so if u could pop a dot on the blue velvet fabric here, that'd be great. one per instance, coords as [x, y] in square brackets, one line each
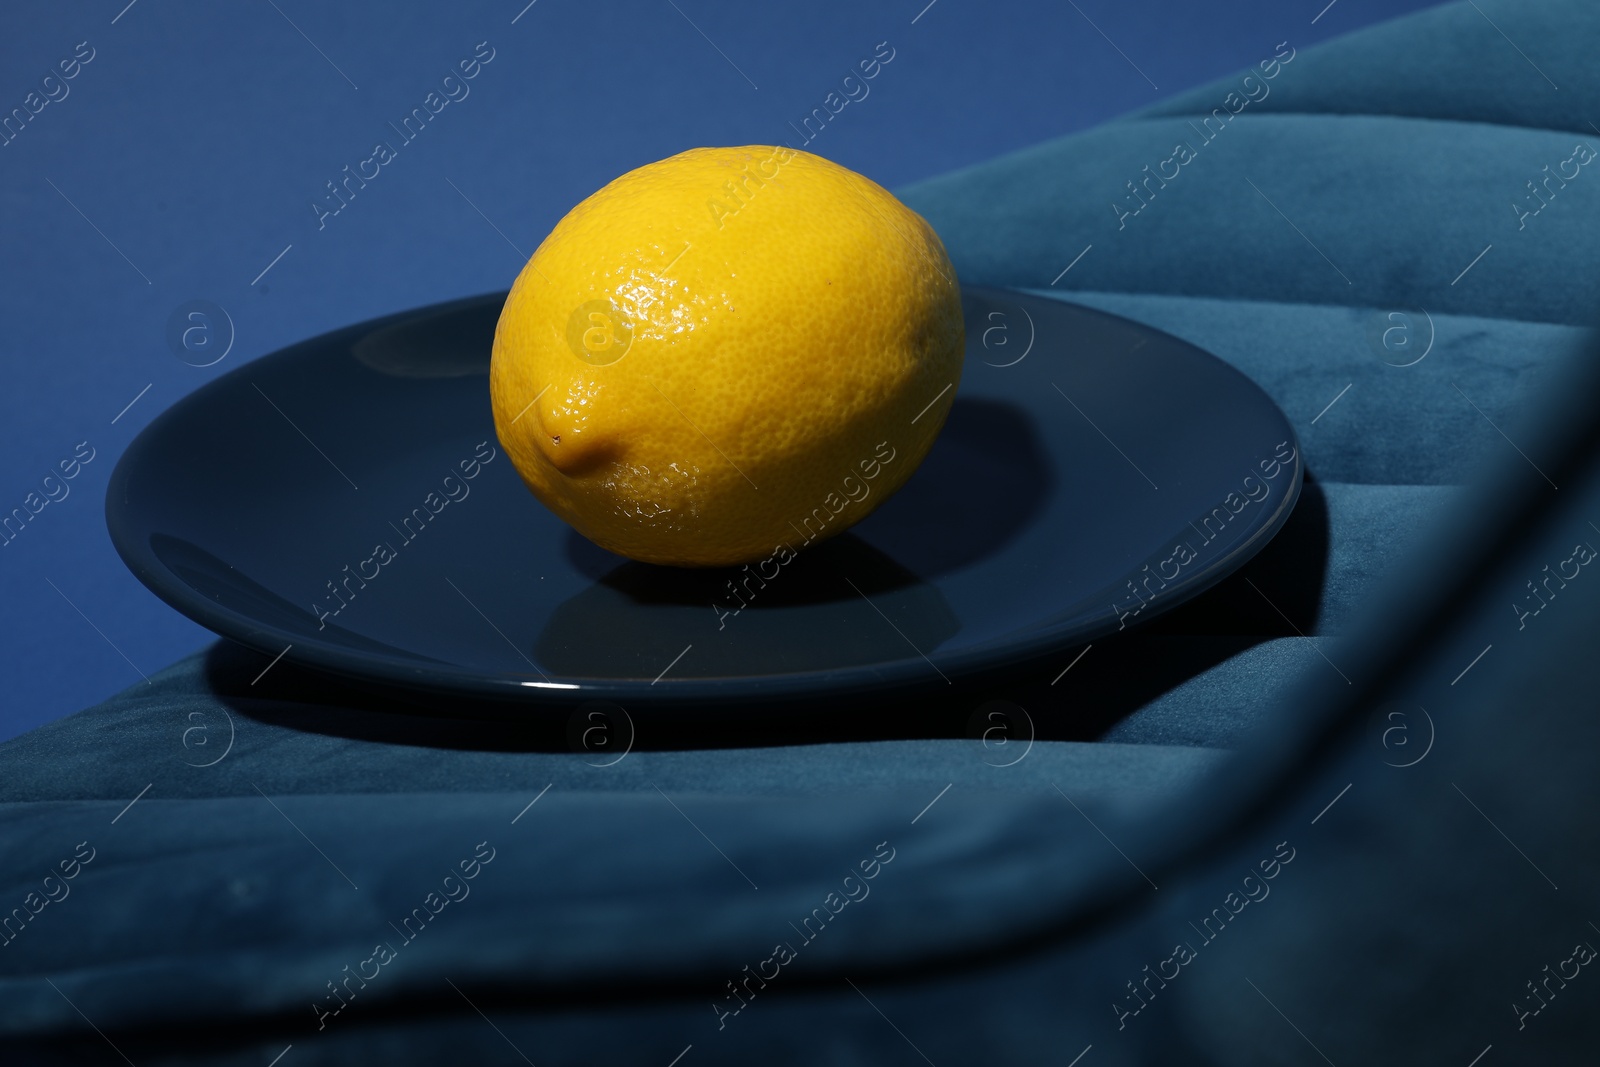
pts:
[1354, 780]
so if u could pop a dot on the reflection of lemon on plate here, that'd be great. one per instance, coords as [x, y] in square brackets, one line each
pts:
[727, 353]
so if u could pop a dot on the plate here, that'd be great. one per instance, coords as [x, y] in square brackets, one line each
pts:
[345, 502]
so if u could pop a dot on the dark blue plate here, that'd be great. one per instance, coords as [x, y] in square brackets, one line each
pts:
[346, 500]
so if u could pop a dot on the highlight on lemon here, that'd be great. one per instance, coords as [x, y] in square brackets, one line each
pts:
[725, 354]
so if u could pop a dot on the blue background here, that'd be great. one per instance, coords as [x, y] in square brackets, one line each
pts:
[187, 153]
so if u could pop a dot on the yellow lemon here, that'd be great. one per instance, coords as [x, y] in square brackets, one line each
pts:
[726, 355]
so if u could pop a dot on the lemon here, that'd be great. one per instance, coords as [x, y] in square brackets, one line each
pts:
[726, 355]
